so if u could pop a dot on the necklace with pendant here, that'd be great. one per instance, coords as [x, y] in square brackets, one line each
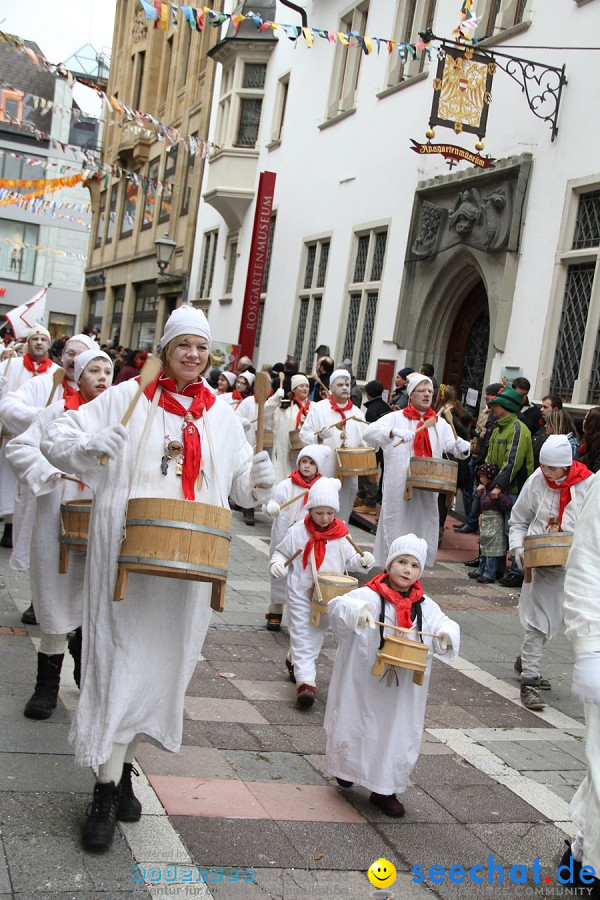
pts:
[171, 450]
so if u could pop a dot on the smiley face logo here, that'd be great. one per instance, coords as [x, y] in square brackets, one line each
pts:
[381, 873]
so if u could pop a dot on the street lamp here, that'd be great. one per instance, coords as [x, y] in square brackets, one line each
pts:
[164, 248]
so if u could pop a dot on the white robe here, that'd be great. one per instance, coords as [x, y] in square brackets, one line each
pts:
[420, 515]
[248, 409]
[374, 731]
[306, 640]
[283, 492]
[139, 654]
[284, 421]
[57, 599]
[541, 604]
[320, 415]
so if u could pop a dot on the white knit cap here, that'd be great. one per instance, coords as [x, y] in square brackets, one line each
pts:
[230, 376]
[408, 545]
[339, 373]
[297, 380]
[556, 451]
[85, 358]
[319, 453]
[89, 342]
[414, 379]
[325, 492]
[185, 320]
[38, 329]
[248, 376]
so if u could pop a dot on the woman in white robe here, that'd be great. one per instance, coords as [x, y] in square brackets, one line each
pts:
[374, 731]
[288, 417]
[139, 655]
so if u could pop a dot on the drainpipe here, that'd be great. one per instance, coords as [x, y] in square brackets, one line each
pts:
[298, 9]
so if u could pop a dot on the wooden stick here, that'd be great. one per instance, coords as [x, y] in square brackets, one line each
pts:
[318, 380]
[356, 547]
[289, 561]
[429, 423]
[148, 373]
[406, 630]
[57, 378]
[340, 424]
[262, 389]
[281, 378]
[70, 478]
[448, 417]
[293, 499]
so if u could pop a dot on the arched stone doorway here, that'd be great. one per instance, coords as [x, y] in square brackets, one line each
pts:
[468, 343]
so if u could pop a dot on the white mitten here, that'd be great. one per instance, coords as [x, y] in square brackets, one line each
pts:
[246, 423]
[403, 434]
[280, 393]
[367, 560]
[262, 473]
[277, 570]
[461, 446]
[365, 619]
[108, 440]
[272, 509]
[586, 677]
[517, 555]
[325, 433]
[442, 642]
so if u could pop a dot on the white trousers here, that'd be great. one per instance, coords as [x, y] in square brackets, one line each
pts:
[305, 640]
[585, 805]
[531, 655]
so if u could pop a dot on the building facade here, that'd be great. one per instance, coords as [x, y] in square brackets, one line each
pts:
[391, 258]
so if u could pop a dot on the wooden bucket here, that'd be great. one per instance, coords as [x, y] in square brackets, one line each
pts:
[426, 474]
[404, 654]
[295, 442]
[74, 530]
[354, 461]
[327, 587]
[543, 550]
[176, 539]
[268, 438]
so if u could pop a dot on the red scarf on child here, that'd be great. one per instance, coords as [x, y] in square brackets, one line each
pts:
[577, 472]
[421, 443]
[403, 605]
[192, 447]
[302, 411]
[342, 410]
[73, 399]
[301, 482]
[37, 368]
[319, 537]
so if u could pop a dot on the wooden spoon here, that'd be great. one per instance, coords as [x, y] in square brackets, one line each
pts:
[57, 378]
[429, 423]
[262, 389]
[148, 373]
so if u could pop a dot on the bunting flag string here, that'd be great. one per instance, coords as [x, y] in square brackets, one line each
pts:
[44, 185]
[39, 161]
[24, 200]
[21, 245]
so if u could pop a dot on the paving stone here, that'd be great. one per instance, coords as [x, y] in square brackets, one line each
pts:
[442, 770]
[419, 806]
[496, 803]
[523, 842]
[201, 762]
[35, 771]
[234, 736]
[194, 733]
[237, 842]
[329, 846]
[28, 736]
[211, 709]
[215, 686]
[267, 766]
[154, 839]
[306, 738]
[268, 690]
[526, 755]
[289, 714]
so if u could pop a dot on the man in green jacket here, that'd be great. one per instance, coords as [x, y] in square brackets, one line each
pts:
[510, 449]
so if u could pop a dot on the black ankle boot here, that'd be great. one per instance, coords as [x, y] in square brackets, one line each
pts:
[6, 539]
[45, 696]
[99, 830]
[129, 808]
[74, 645]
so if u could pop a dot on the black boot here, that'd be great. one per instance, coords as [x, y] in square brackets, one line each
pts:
[6, 539]
[249, 516]
[28, 616]
[74, 645]
[99, 830]
[129, 808]
[45, 696]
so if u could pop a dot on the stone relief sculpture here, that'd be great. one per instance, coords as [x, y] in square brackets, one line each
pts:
[430, 232]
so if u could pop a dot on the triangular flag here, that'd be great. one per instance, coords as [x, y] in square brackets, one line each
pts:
[24, 317]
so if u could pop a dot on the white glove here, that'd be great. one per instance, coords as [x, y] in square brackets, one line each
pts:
[365, 619]
[461, 446]
[277, 570]
[272, 508]
[246, 423]
[366, 560]
[280, 393]
[325, 433]
[108, 440]
[262, 473]
[586, 677]
[442, 642]
[517, 555]
[404, 434]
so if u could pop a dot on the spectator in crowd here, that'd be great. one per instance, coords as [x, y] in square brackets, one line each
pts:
[589, 449]
[560, 422]
[355, 391]
[427, 369]
[448, 405]
[399, 399]
[549, 402]
[325, 367]
[127, 368]
[245, 365]
[530, 414]
[370, 491]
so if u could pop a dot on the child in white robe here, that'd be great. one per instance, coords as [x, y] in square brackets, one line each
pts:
[317, 543]
[374, 725]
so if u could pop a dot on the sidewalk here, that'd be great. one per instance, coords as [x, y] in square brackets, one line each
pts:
[249, 788]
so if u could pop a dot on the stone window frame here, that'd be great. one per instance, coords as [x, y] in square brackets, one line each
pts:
[313, 294]
[231, 93]
[347, 64]
[411, 18]
[279, 110]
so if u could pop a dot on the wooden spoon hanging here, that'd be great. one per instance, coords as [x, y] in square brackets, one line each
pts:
[58, 377]
[262, 389]
[148, 373]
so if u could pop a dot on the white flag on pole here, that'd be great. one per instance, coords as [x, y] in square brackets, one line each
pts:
[24, 317]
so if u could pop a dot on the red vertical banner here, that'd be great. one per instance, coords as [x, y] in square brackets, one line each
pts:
[386, 369]
[256, 262]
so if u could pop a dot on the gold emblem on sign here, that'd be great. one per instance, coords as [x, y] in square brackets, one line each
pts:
[463, 94]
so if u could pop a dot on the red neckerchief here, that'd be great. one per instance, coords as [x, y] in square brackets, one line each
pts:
[577, 472]
[192, 447]
[319, 537]
[342, 410]
[301, 482]
[421, 443]
[37, 368]
[403, 605]
[68, 391]
[302, 411]
[73, 400]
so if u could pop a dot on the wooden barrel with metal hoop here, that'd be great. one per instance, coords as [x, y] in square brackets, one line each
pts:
[432, 474]
[353, 461]
[176, 539]
[327, 586]
[74, 530]
[402, 653]
[541, 550]
[295, 442]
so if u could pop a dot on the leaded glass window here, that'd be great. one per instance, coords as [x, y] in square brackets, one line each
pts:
[314, 328]
[351, 325]
[363, 293]
[311, 252]
[301, 327]
[360, 262]
[571, 331]
[587, 224]
[313, 276]
[323, 264]
[367, 336]
[593, 396]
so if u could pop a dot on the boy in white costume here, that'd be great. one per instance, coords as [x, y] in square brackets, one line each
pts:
[319, 541]
[374, 729]
[326, 423]
[139, 655]
[58, 599]
[395, 434]
[550, 500]
[311, 460]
